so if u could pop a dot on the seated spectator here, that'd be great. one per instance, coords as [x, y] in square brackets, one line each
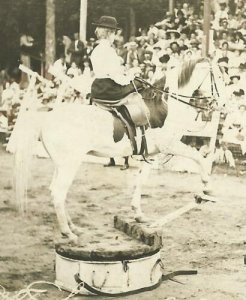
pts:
[180, 19]
[234, 100]
[172, 35]
[150, 45]
[121, 50]
[119, 37]
[239, 42]
[223, 155]
[235, 84]
[59, 67]
[223, 37]
[161, 68]
[135, 70]
[175, 49]
[157, 53]
[153, 31]
[3, 120]
[234, 128]
[224, 25]
[73, 71]
[132, 53]
[185, 9]
[242, 29]
[162, 42]
[182, 46]
[233, 24]
[87, 68]
[222, 12]
[236, 59]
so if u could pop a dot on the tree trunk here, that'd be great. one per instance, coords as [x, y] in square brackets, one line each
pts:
[132, 21]
[206, 28]
[50, 36]
[171, 6]
[83, 20]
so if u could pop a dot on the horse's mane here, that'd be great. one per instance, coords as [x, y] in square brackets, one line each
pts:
[153, 100]
[187, 70]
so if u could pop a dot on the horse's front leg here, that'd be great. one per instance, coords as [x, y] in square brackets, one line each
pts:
[142, 176]
[180, 149]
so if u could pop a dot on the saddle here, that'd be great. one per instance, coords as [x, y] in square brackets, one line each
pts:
[130, 113]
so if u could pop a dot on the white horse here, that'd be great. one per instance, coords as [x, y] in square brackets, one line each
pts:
[71, 131]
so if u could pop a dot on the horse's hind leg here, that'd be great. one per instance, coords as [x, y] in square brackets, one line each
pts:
[61, 185]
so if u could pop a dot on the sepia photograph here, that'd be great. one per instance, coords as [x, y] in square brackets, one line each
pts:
[123, 149]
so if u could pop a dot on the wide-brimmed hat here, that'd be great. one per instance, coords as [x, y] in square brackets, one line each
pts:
[131, 45]
[177, 34]
[3, 109]
[224, 20]
[239, 92]
[174, 43]
[222, 2]
[235, 76]
[242, 104]
[107, 22]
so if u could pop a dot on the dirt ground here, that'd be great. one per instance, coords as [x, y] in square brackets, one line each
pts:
[210, 239]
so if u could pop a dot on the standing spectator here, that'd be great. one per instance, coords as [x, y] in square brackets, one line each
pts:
[222, 12]
[66, 41]
[77, 50]
[26, 46]
[132, 54]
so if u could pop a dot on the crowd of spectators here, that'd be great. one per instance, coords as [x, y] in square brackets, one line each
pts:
[162, 46]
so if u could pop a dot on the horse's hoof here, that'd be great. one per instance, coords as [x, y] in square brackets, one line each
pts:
[71, 237]
[110, 164]
[77, 230]
[125, 167]
[141, 219]
[208, 192]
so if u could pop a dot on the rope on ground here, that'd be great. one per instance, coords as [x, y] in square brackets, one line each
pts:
[29, 293]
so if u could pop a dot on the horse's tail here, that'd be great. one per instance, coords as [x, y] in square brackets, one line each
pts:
[21, 144]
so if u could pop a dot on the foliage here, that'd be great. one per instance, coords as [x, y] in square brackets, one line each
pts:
[18, 16]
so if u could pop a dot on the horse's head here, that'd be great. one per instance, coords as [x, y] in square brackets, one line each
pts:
[156, 104]
[201, 80]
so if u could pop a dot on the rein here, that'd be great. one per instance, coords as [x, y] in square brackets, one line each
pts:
[178, 96]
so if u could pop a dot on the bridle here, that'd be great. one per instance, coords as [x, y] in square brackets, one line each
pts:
[181, 98]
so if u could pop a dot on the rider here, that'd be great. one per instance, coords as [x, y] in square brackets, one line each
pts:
[111, 82]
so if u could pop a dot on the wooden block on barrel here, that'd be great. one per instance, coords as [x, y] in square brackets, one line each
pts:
[140, 231]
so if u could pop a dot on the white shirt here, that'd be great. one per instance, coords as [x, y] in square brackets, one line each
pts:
[107, 64]
[59, 67]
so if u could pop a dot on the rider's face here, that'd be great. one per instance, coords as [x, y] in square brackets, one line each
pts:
[112, 37]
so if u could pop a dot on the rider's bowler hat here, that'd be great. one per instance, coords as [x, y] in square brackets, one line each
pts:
[107, 22]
